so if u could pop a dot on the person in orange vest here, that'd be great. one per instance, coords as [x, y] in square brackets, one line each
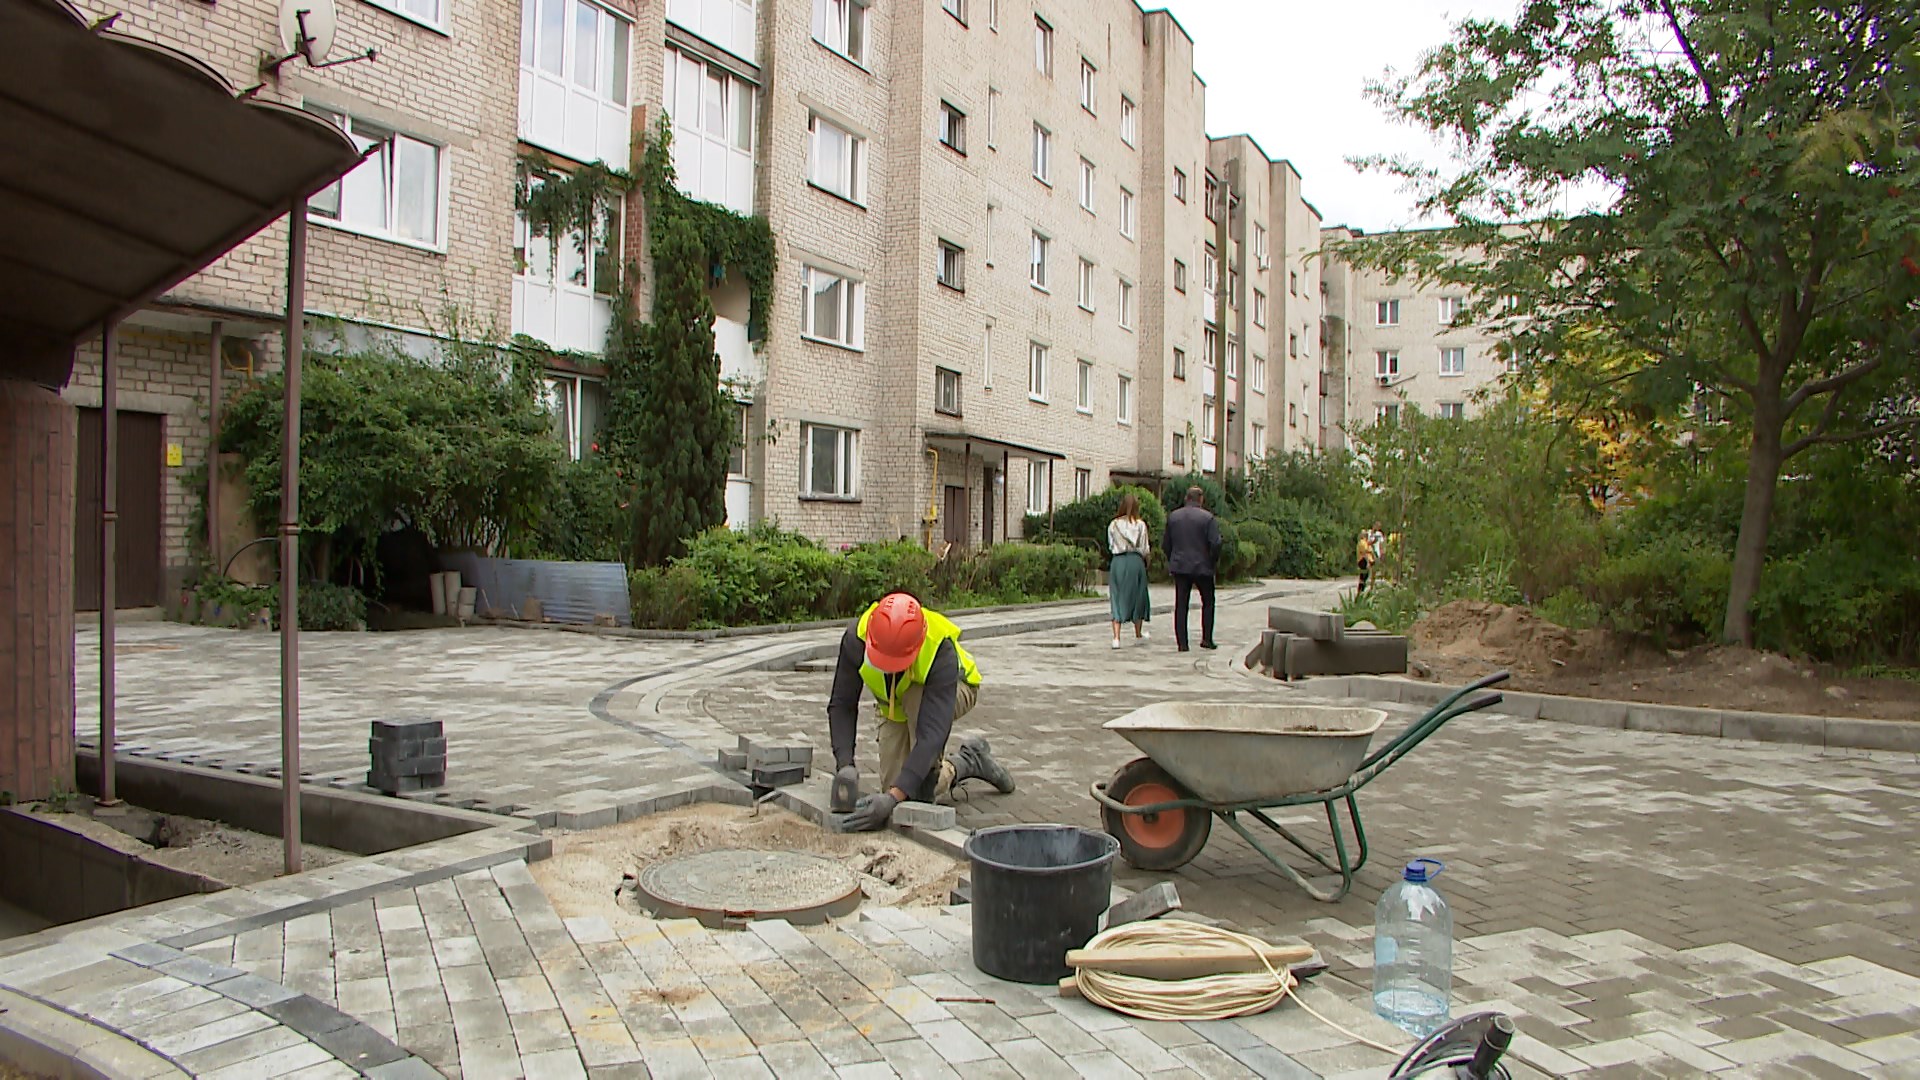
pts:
[921, 681]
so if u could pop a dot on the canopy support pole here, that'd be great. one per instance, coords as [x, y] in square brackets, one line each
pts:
[109, 549]
[290, 535]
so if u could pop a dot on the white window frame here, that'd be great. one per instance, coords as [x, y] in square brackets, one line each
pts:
[953, 128]
[1038, 363]
[1386, 363]
[993, 15]
[987, 227]
[386, 146]
[435, 21]
[853, 163]
[1126, 213]
[1129, 120]
[1082, 484]
[1037, 260]
[957, 9]
[1209, 419]
[846, 451]
[1179, 448]
[1293, 414]
[1451, 308]
[1042, 154]
[993, 117]
[593, 117]
[1233, 356]
[1259, 308]
[1293, 344]
[1179, 363]
[986, 356]
[1386, 413]
[1453, 361]
[1087, 284]
[1256, 440]
[562, 393]
[852, 307]
[1043, 46]
[1260, 246]
[1452, 410]
[1126, 304]
[1179, 276]
[834, 23]
[1123, 405]
[1083, 388]
[1210, 346]
[1386, 313]
[1089, 87]
[1293, 282]
[1259, 380]
[1180, 184]
[946, 391]
[1089, 184]
[1039, 484]
[950, 265]
[699, 147]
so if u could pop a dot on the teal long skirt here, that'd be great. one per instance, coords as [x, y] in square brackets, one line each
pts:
[1127, 588]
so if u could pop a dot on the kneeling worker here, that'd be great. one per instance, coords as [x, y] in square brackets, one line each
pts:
[922, 681]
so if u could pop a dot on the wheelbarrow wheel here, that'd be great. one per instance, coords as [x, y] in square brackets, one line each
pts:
[1159, 841]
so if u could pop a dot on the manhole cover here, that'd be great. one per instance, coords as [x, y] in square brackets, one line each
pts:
[729, 887]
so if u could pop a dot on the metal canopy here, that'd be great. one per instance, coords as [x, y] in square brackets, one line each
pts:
[128, 167]
[987, 442]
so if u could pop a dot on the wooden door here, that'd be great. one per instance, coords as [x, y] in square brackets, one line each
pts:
[957, 515]
[137, 562]
[987, 508]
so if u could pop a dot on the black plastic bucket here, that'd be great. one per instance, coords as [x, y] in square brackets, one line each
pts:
[1038, 891]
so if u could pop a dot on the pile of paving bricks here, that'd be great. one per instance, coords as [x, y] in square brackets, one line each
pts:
[1298, 643]
[768, 767]
[407, 756]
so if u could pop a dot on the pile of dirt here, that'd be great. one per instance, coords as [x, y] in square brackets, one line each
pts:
[586, 867]
[208, 848]
[1469, 638]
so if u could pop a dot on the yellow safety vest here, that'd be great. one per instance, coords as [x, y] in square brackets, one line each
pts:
[939, 629]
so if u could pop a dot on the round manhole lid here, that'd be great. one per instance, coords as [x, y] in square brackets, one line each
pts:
[732, 886]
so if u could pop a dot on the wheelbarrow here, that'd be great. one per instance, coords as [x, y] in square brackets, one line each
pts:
[1205, 761]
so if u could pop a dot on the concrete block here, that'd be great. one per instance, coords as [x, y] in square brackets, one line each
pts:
[1586, 712]
[1316, 625]
[415, 728]
[962, 892]
[1897, 735]
[800, 755]
[773, 776]
[1148, 903]
[420, 766]
[920, 815]
[401, 749]
[1675, 719]
[1772, 727]
[401, 785]
[732, 760]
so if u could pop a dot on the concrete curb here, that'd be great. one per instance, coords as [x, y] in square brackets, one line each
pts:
[1832, 732]
[46, 1041]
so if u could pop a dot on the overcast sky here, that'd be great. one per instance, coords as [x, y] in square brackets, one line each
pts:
[1293, 74]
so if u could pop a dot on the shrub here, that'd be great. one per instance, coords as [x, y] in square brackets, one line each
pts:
[760, 576]
[1490, 579]
[1840, 601]
[237, 601]
[1236, 555]
[1174, 495]
[1390, 606]
[1262, 542]
[326, 606]
[1672, 591]
[1085, 521]
[1308, 541]
[585, 516]
[665, 597]
[1569, 608]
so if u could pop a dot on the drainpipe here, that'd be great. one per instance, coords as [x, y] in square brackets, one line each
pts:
[1220, 298]
[217, 344]
[290, 537]
[109, 541]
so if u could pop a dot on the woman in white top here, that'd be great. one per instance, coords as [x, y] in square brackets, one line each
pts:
[1127, 572]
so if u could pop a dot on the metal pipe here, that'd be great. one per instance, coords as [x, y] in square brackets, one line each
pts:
[109, 542]
[217, 346]
[290, 536]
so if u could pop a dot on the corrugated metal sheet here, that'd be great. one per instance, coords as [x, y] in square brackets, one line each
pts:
[569, 592]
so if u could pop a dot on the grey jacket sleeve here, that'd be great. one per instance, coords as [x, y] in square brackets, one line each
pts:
[843, 705]
[935, 722]
[1213, 539]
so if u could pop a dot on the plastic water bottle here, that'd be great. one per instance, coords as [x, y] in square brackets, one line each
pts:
[1413, 951]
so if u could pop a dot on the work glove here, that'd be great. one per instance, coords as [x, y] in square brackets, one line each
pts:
[872, 813]
[846, 790]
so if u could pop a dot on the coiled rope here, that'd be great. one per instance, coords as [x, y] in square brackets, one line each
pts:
[1204, 997]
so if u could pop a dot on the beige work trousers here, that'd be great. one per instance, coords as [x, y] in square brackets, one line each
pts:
[896, 739]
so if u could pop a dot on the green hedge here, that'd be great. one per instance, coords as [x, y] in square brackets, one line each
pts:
[1085, 521]
[765, 576]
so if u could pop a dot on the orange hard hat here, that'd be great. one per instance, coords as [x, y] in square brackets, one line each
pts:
[895, 631]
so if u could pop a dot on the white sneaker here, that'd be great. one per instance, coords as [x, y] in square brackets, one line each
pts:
[1145, 634]
[1114, 644]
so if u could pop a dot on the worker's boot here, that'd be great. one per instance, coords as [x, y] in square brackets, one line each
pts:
[973, 761]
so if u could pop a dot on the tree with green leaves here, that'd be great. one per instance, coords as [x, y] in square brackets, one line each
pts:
[1753, 173]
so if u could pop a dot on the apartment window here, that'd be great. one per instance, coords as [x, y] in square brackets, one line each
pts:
[836, 159]
[574, 61]
[1042, 47]
[993, 15]
[1233, 356]
[1293, 415]
[1036, 371]
[986, 356]
[953, 127]
[1256, 440]
[951, 270]
[1293, 282]
[425, 12]
[1453, 410]
[1179, 276]
[833, 308]
[1386, 313]
[1039, 485]
[1083, 389]
[1386, 414]
[1233, 288]
[988, 226]
[1042, 154]
[1123, 402]
[1037, 264]
[563, 287]
[1179, 449]
[1129, 120]
[1086, 284]
[1180, 185]
[993, 114]
[841, 25]
[1259, 372]
[1211, 342]
[1451, 308]
[1260, 246]
[833, 462]
[1179, 363]
[1293, 344]
[1088, 91]
[395, 191]
[1082, 484]
[578, 406]
[1209, 420]
[712, 112]
[957, 9]
[1126, 304]
[1259, 308]
[1386, 363]
[1453, 361]
[1086, 185]
[1126, 213]
[946, 391]
[1213, 198]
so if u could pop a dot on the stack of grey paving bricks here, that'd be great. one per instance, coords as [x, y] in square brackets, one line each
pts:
[768, 767]
[407, 756]
[1298, 643]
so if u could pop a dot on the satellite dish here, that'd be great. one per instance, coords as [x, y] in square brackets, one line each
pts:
[307, 27]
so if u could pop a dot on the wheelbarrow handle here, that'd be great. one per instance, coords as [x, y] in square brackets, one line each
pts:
[1484, 701]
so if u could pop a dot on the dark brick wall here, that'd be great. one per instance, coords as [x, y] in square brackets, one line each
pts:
[37, 446]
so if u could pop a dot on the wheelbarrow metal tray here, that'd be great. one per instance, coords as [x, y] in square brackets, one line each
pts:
[1227, 753]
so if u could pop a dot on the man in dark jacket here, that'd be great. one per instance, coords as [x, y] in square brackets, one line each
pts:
[1193, 544]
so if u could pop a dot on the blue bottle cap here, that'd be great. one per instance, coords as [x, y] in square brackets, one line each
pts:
[1424, 870]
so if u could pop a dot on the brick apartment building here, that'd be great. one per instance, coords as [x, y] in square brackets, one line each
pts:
[1014, 268]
